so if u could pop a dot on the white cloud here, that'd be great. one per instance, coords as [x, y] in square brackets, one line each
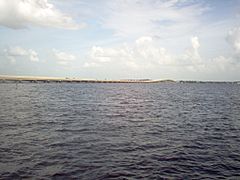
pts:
[223, 63]
[191, 56]
[146, 55]
[144, 40]
[63, 57]
[90, 64]
[195, 43]
[143, 54]
[33, 55]
[22, 13]
[234, 39]
[155, 18]
[13, 53]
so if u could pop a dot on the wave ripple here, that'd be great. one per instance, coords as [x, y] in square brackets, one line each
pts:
[119, 131]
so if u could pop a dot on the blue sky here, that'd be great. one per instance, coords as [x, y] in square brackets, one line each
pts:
[108, 39]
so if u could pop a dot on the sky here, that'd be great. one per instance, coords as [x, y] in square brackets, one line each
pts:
[121, 39]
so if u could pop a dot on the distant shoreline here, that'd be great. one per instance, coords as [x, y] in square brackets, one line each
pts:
[36, 79]
[41, 79]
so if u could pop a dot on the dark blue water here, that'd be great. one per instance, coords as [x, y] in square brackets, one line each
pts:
[119, 131]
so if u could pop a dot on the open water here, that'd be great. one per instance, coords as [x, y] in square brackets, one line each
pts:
[119, 131]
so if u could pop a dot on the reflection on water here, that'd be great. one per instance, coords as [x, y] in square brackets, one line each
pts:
[119, 131]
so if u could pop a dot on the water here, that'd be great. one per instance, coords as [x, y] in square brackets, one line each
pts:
[119, 131]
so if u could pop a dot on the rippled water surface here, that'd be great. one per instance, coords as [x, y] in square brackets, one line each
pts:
[119, 131]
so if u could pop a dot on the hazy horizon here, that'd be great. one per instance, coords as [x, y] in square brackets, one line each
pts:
[125, 39]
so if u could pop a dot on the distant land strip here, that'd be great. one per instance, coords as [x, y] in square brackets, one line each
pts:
[41, 79]
[36, 79]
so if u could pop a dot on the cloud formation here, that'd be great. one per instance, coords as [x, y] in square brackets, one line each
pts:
[18, 14]
[12, 53]
[63, 58]
[146, 55]
[163, 38]
[154, 18]
[191, 55]
[234, 39]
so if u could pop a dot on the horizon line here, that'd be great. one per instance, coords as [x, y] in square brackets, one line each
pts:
[73, 79]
